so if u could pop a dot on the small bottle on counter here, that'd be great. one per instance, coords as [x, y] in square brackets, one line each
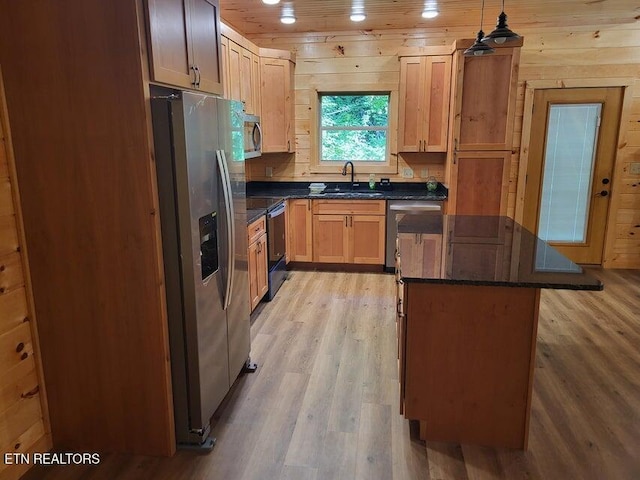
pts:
[372, 181]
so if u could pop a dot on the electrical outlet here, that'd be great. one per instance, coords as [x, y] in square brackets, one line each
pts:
[407, 173]
[268, 171]
[634, 169]
[424, 173]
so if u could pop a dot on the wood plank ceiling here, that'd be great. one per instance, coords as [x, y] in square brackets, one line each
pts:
[253, 17]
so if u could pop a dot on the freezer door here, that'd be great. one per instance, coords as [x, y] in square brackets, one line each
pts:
[231, 128]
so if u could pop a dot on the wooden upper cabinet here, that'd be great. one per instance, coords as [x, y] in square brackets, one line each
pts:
[425, 90]
[255, 84]
[224, 62]
[185, 44]
[233, 63]
[243, 75]
[277, 110]
[485, 99]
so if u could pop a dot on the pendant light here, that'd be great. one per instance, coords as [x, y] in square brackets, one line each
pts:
[501, 33]
[479, 48]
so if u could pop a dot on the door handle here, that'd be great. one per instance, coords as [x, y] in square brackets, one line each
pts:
[195, 76]
[605, 181]
[603, 193]
[228, 200]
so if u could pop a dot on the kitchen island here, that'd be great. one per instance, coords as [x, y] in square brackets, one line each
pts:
[468, 298]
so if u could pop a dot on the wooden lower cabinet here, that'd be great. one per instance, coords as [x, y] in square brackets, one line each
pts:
[466, 358]
[258, 262]
[347, 231]
[299, 239]
[422, 254]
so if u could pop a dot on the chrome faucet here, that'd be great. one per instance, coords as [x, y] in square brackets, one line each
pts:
[344, 170]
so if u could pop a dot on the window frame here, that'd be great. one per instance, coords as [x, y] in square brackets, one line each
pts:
[389, 166]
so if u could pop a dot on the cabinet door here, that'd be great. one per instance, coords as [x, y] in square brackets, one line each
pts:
[437, 96]
[204, 34]
[277, 105]
[412, 93]
[366, 239]
[234, 62]
[253, 261]
[299, 247]
[262, 273]
[421, 255]
[169, 43]
[479, 183]
[255, 83]
[485, 100]
[246, 90]
[331, 239]
[224, 61]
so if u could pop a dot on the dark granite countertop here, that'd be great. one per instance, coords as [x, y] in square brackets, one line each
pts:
[254, 214]
[483, 250]
[343, 190]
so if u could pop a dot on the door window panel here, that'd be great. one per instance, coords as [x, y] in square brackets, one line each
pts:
[569, 160]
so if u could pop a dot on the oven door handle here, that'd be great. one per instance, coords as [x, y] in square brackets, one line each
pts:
[279, 210]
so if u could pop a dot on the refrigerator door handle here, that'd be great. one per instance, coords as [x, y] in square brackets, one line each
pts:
[230, 225]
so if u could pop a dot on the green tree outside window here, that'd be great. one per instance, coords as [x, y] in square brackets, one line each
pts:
[354, 127]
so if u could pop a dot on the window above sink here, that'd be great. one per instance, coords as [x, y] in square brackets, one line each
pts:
[354, 125]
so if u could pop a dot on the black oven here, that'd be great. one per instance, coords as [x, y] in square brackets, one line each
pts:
[276, 245]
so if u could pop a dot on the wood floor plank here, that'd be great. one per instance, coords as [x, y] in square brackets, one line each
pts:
[312, 419]
[338, 459]
[446, 461]
[267, 458]
[374, 459]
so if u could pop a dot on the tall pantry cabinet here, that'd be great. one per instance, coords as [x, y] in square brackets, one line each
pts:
[483, 99]
[82, 138]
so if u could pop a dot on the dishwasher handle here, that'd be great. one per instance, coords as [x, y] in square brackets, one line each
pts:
[415, 207]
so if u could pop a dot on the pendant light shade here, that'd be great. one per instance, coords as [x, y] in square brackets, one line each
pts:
[478, 47]
[501, 33]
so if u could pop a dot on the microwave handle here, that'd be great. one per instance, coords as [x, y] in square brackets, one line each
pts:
[257, 142]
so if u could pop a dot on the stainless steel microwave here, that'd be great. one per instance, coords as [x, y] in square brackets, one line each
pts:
[252, 136]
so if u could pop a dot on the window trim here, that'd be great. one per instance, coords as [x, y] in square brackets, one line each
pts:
[390, 166]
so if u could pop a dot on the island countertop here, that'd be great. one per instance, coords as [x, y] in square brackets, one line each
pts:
[483, 250]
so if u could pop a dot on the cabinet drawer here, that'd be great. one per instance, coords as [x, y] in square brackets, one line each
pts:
[256, 229]
[347, 207]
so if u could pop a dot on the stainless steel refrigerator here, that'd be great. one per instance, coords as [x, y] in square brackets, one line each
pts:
[199, 152]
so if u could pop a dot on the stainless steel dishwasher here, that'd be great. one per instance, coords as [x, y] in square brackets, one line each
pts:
[395, 207]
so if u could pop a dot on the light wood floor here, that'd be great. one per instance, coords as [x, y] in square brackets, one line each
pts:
[324, 402]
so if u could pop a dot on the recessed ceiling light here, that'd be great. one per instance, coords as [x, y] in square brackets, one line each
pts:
[430, 13]
[271, 2]
[357, 17]
[288, 19]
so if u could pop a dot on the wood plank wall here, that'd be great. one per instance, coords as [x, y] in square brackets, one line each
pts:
[549, 53]
[24, 424]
